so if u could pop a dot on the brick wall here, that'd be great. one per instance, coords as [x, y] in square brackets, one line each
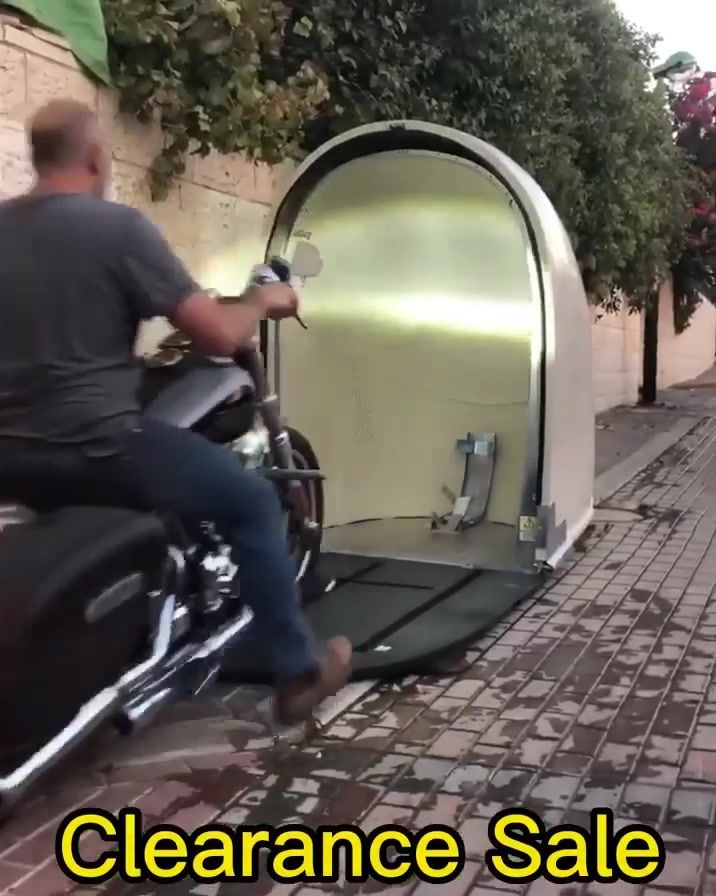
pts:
[215, 216]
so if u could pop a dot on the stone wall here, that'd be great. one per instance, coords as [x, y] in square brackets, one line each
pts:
[215, 216]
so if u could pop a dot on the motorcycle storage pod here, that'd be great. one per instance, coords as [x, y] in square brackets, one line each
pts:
[448, 345]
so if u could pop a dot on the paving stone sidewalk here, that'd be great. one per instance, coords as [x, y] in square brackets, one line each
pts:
[622, 431]
[599, 692]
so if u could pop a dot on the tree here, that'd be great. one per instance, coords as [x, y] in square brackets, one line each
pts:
[694, 109]
[560, 85]
[199, 66]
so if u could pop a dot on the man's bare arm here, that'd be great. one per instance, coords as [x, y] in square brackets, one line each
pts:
[156, 283]
[223, 329]
[220, 330]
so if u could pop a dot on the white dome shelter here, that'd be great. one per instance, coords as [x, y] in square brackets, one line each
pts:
[448, 348]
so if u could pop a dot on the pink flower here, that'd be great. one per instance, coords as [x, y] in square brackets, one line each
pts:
[685, 110]
[699, 90]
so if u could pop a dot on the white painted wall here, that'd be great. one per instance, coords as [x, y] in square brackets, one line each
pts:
[616, 358]
[683, 357]
[617, 351]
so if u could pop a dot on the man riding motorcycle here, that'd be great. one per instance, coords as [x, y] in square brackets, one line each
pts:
[78, 274]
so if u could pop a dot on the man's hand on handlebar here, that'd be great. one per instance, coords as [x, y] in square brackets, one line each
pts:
[278, 300]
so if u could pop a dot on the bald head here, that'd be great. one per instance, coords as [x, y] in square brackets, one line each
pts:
[65, 142]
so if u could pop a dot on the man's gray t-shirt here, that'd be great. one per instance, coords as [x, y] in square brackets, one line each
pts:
[77, 276]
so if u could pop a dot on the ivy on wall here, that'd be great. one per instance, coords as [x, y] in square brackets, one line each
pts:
[560, 85]
[200, 68]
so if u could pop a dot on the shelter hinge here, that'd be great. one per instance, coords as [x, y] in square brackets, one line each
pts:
[470, 506]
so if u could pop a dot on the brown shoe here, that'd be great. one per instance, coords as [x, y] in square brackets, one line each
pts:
[294, 702]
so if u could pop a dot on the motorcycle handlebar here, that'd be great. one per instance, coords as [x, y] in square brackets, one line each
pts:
[250, 360]
[278, 270]
[230, 300]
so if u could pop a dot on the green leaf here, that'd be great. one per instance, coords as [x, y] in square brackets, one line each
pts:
[217, 45]
[303, 27]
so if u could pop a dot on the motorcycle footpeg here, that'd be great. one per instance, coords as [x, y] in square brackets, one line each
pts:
[278, 475]
[311, 535]
[314, 586]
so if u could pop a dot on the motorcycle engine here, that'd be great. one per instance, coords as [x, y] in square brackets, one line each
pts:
[217, 571]
[220, 566]
[253, 446]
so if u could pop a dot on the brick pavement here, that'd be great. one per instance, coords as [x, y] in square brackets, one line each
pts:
[599, 692]
[624, 430]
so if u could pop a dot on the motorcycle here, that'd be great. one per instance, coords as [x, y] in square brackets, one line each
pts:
[135, 613]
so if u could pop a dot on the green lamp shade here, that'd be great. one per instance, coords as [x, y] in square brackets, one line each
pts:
[677, 63]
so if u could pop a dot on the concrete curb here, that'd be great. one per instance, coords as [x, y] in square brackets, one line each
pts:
[610, 481]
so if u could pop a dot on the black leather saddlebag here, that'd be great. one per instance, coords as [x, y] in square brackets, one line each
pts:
[74, 615]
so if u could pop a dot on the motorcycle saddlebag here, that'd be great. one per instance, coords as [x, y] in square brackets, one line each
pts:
[74, 615]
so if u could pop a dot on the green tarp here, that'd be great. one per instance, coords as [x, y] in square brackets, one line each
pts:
[79, 22]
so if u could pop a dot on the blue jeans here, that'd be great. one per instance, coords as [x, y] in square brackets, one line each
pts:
[200, 481]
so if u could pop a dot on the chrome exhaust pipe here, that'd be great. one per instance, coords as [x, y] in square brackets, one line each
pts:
[160, 648]
[99, 709]
[137, 715]
[119, 703]
[189, 672]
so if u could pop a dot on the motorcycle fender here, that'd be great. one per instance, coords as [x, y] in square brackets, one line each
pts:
[187, 401]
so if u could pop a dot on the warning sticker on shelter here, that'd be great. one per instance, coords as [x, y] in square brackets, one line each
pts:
[528, 528]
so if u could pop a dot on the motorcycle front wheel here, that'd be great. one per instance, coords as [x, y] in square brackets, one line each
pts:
[230, 427]
[304, 458]
[306, 561]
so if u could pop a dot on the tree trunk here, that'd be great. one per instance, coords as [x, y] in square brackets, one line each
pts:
[651, 345]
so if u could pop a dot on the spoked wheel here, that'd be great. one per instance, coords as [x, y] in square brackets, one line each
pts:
[304, 458]
[231, 427]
